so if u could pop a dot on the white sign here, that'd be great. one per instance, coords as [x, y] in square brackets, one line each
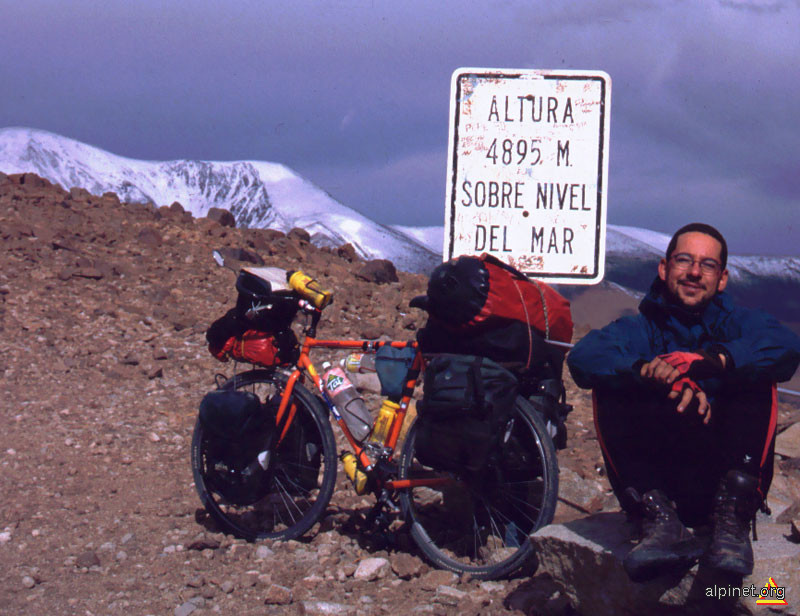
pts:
[527, 170]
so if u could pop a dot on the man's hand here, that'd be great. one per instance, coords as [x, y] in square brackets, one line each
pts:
[696, 365]
[661, 370]
[687, 389]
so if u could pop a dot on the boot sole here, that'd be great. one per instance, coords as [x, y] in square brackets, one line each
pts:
[676, 561]
[734, 566]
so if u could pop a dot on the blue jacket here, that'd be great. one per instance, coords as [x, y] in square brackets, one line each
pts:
[757, 345]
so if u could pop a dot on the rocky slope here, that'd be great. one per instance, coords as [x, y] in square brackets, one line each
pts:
[259, 194]
[103, 309]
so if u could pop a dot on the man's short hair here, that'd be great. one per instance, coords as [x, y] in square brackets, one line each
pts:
[700, 227]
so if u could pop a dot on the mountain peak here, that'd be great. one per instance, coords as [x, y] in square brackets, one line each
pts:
[259, 194]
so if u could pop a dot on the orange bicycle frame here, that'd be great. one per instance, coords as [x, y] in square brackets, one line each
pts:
[304, 364]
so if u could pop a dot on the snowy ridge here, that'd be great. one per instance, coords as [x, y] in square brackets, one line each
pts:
[259, 194]
[270, 195]
[431, 237]
[632, 240]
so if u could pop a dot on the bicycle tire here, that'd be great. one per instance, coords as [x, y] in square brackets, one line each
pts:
[294, 496]
[481, 527]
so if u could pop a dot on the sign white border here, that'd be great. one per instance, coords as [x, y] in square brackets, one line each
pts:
[591, 275]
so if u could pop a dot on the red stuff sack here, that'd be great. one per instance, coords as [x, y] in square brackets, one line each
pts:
[257, 348]
[230, 337]
[481, 306]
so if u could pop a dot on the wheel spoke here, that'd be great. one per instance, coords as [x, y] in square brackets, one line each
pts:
[481, 527]
[299, 482]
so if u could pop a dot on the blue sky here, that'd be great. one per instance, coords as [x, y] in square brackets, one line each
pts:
[354, 95]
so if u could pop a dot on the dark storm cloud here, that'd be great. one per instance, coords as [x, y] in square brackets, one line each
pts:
[355, 95]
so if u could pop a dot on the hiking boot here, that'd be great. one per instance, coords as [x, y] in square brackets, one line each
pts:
[666, 546]
[735, 504]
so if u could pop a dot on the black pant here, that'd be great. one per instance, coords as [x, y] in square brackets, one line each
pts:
[647, 444]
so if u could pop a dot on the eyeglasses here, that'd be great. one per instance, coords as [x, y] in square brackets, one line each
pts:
[685, 261]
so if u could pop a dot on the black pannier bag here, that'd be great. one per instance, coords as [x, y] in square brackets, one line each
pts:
[467, 402]
[236, 429]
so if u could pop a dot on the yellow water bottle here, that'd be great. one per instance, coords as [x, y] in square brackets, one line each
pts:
[309, 288]
[385, 418]
[358, 477]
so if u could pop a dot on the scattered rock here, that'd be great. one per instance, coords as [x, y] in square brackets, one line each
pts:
[185, 609]
[87, 559]
[372, 569]
[240, 254]
[196, 581]
[203, 542]
[347, 252]
[406, 566]
[379, 271]
[88, 272]
[299, 234]
[278, 595]
[787, 443]
[322, 608]
[221, 216]
[149, 237]
[438, 577]
[448, 595]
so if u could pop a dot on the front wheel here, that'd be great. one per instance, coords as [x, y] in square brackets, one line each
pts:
[287, 498]
[479, 523]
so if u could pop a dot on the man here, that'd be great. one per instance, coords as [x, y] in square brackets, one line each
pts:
[685, 409]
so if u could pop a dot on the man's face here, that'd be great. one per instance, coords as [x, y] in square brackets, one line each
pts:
[689, 274]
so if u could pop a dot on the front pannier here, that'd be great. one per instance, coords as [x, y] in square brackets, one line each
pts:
[236, 428]
[467, 402]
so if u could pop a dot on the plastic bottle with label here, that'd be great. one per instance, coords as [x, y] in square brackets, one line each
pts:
[363, 363]
[351, 405]
[385, 418]
[309, 288]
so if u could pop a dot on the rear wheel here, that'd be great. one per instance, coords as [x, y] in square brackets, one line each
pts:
[480, 523]
[287, 498]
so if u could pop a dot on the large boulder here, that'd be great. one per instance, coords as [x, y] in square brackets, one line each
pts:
[585, 556]
[379, 271]
[222, 216]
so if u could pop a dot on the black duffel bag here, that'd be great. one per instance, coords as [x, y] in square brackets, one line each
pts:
[466, 404]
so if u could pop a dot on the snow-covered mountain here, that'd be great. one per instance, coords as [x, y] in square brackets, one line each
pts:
[259, 194]
[269, 195]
